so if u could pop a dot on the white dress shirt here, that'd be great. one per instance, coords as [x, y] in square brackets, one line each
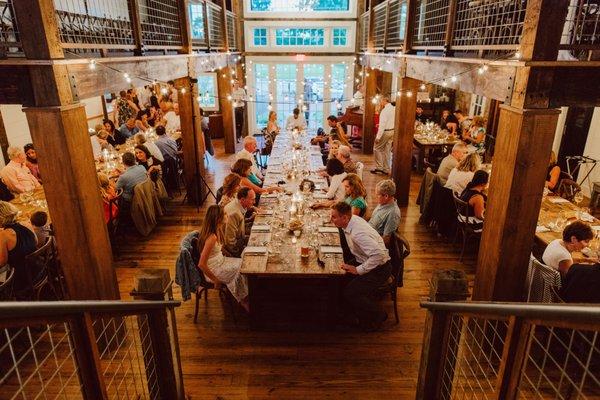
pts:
[336, 189]
[173, 122]
[239, 97]
[18, 178]
[291, 122]
[386, 119]
[243, 153]
[365, 244]
[359, 100]
[154, 151]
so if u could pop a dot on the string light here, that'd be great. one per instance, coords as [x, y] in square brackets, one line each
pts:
[304, 108]
[92, 64]
[409, 94]
[453, 78]
[229, 97]
[422, 87]
[164, 91]
[518, 55]
[182, 90]
[480, 70]
[374, 100]
[444, 83]
[128, 79]
[125, 75]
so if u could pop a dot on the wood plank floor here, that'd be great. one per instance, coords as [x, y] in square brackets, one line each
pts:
[224, 361]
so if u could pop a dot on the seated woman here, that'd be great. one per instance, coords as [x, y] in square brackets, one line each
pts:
[272, 127]
[337, 191]
[218, 268]
[475, 136]
[108, 192]
[145, 159]
[140, 138]
[463, 173]
[473, 195]
[553, 174]
[231, 185]
[355, 194]
[243, 168]
[155, 115]
[115, 137]
[16, 242]
[449, 122]
[141, 120]
[575, 237]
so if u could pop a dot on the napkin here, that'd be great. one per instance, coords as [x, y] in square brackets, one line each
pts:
[331, 250]
[541, 229]
[596, 227]
[265, 212]
[555, 199]
[261, 228]
[586, 217]
[318, 195]
[255, 250]
[269, 195]
[328, 229]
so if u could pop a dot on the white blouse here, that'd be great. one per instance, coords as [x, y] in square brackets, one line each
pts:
[336, 189]
[458, 180]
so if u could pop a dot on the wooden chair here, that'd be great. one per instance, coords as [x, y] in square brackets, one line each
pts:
[6, 287]
[543, 282]
[205, 286]
[41, 270]
[568, 188]
[399, 250]
[113, 221]
[360, 167]
[465, 223]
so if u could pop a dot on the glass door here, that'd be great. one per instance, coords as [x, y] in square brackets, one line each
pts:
[314, 86]
[285, 75]
[261, 80]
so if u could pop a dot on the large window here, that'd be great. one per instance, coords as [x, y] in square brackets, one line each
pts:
[260, 36]
[338, 87]
[207, 91]
[314, 93]
[299, 5]
[286, 91]
[340, 36]
[261, 89]
[300, 37]
[197, 21]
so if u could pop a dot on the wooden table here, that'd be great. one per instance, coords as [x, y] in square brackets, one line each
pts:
[286, 283]
[552, 207]
[424, 145]
[28, 205]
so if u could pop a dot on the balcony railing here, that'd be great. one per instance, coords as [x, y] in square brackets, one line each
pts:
[231, 30]
[9, 33]
[215, 26]
[90, 350]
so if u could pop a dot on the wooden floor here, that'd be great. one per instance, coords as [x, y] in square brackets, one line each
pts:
[224, 361]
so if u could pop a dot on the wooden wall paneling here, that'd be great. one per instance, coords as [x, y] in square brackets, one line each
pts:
[74, 201]
[404, 126]
[368, 130]
[524, 142]
[226, 107]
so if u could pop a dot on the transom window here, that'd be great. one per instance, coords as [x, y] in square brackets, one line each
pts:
[260, 36]
[300, 37]
[340, 36]
[197, 21]
[299, 5]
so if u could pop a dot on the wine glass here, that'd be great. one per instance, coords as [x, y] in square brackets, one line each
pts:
[578, 198]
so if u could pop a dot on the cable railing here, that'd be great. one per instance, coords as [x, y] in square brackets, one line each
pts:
[9, 33]
[510, 351]
[215, 26]
[581, 33]
[231, 30]
[90, 350]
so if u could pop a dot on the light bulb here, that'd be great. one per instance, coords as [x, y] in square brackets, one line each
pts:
[518, 55]
[374, 100]
[182, 90]
[444, 83]
[453, 78]
[229, 97]
[304, 108]
[398, 94]
[164, 91]
[409, 94]
[485, 67]
[357, 80]
[199, 98]
[423, 87]
[480, 70]
[128, 79]
[269, 107]
[125, 75]
[92, 64]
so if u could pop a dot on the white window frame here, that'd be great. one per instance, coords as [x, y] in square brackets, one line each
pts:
[477, 101]
[266, 36]
[290, 15]
[216, 86]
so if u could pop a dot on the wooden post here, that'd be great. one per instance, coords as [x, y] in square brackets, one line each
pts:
[224, 24]
[404, 126]
[3, 140]
[38, 29]
[450, 28]
[224, 86]
[370, 83]
[193, 140]
[184, 26]
[514, 357]
[408, 33]
[136, 26]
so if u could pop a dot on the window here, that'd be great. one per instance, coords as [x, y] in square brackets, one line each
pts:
[197, 21]
[300, 37]
[207, 91]
[299, 5]
[340, 36]
[261, 78]
[477, 105]
[260, 36]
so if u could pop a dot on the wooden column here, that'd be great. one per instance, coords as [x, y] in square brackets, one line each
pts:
[224, 86]
[184, 27]
[38, 29]
[74, 202]
[3, 140]
[136, 26]
[515, 192]
[404, 126]
[370, 83]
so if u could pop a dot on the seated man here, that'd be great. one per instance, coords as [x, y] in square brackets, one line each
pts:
[248, 153]
[15, 175]
[581, 284]
[451, 161]
[386, 216]
[171, 120]
[373, 269]
[128, 129]
[295, 121]
[343, 154]
[132, 175]
[166, 145]
[235, 229]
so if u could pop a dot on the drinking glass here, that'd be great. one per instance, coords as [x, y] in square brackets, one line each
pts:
[578, 198]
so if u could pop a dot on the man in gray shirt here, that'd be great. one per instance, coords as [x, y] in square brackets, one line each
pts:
[451, 161]
[386, 216]
[133, 175]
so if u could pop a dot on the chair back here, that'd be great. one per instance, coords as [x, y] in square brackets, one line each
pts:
[462, 209]
[543, 282]
[6, 287]
[195, 253]
[568, 188]
[399, 250]
[360, 167]
[219, 195]
[39, 263]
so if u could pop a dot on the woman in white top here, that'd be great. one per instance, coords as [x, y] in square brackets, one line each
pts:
[218, 268]
[576, 237]
[463, 173]
[336, 192]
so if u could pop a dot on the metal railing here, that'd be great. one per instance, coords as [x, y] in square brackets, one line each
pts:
[231, 30]
[379, 26]
[581, 33]
[9, 33]
[510, 351]
[364, 31]
[89, 350]
[396, 26]
[161, 25]
[215, 26]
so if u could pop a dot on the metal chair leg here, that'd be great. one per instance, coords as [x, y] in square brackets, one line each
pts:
[462, 252]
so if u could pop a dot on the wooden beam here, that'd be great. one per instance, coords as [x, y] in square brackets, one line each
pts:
[3, 140]
[542, 29]
[15, 85]
[74, 202]
[368, 129]
[515, 192]
[404, 126]
[408, 34]
[224, 85]
[38, 29]
[450, 28]
[571, 87]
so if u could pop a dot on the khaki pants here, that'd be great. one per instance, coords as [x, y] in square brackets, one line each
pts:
[382, 151]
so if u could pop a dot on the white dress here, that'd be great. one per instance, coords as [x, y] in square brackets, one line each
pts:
[227, 270]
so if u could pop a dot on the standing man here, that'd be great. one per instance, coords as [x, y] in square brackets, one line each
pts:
[235, 229]
[372, 270]
[238, 95]
[385, 137]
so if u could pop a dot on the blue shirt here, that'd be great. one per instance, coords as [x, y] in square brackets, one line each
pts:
[167, 146]
[385, 218]
[126, 132]
[131, 177]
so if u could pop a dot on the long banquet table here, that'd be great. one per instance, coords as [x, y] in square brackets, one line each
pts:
[276, 271]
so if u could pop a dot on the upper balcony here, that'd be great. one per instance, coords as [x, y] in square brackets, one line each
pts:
[126, 27]
[472, 28]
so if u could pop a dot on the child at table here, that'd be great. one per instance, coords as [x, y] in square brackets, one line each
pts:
[41, 228]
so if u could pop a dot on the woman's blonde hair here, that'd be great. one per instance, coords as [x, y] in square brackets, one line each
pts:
[553, 159]
[104, 184]
[357, 189]
[478, 121]
[231, 184]
[8, 213]
[242, 167]
[102, 134]
[211, 225]
[470, 163]
[271, 113]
